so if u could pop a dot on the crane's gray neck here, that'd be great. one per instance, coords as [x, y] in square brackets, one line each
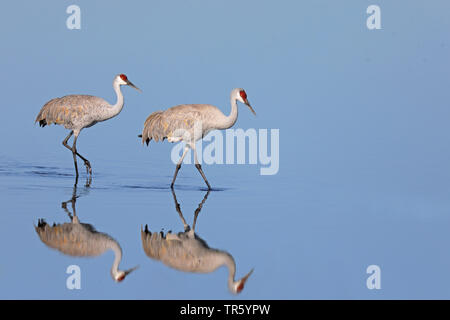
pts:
[229, 121]
[115, 109]
[114, 246]
[228, 261]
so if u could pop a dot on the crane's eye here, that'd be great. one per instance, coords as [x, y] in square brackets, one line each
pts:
[243, 95]
[123, 77]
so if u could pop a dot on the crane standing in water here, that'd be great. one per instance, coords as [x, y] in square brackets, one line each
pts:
[76, 112]
[187, 252]
[81, 240]
[189, 123]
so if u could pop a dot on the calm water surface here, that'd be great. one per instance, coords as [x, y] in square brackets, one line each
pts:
[314, 240]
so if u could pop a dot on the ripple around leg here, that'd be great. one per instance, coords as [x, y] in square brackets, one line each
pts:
[176, 187]
[47, 171]
[144, 187]
[18, 169]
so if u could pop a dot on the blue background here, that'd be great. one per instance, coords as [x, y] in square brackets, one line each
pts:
[364, 145]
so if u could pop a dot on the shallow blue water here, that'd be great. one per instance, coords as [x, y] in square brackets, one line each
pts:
[120, 208]
[312, 241]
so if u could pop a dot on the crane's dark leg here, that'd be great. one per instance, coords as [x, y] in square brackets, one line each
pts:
[68, 147]
[75, 158]
[67, 139]
[75, 153]
[87, 164]
[178, 208]
[199, 168]
[72, 215]
[186, 149]
[200, 206]
[86, 161]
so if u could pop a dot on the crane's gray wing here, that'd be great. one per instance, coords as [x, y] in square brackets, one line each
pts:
[72, 239]
[67, 109]
[155, 244]
[173, 121]
[179, 252]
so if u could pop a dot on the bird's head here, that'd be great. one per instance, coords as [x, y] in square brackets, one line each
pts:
[120, 275]
[122, 80]
[241, 96]
[238, 286]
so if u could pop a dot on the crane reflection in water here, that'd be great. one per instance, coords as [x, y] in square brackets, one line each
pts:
[80, 239]
[186, 251]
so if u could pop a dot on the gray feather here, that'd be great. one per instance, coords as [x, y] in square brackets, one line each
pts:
[72, 111]
[172, 122]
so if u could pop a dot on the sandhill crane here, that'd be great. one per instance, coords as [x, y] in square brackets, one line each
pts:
[81, 240]
[189, 123]
[76, 112]
[187, 252]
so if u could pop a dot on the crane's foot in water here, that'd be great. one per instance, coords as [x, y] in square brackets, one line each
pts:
[88, 181]
[199, 168]
[88, 167]
[88, 173]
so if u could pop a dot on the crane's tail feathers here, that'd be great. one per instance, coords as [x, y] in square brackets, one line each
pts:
[154, 128]
[157, 244]
[41, 223]
[56, 112]
[147, 141]
[41, 119]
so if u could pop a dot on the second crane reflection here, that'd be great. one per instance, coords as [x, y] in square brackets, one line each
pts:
[186, 251]
[81, 239]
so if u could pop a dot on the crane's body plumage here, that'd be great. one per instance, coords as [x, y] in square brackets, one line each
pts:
[74, 112]
[184, 251]
[75, 239]
[173, 123]
[190, 123]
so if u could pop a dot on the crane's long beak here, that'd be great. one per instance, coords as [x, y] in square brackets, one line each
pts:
[243, 281]
[250, 107]
[132, 85]
[127, 272]
[247, 276]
